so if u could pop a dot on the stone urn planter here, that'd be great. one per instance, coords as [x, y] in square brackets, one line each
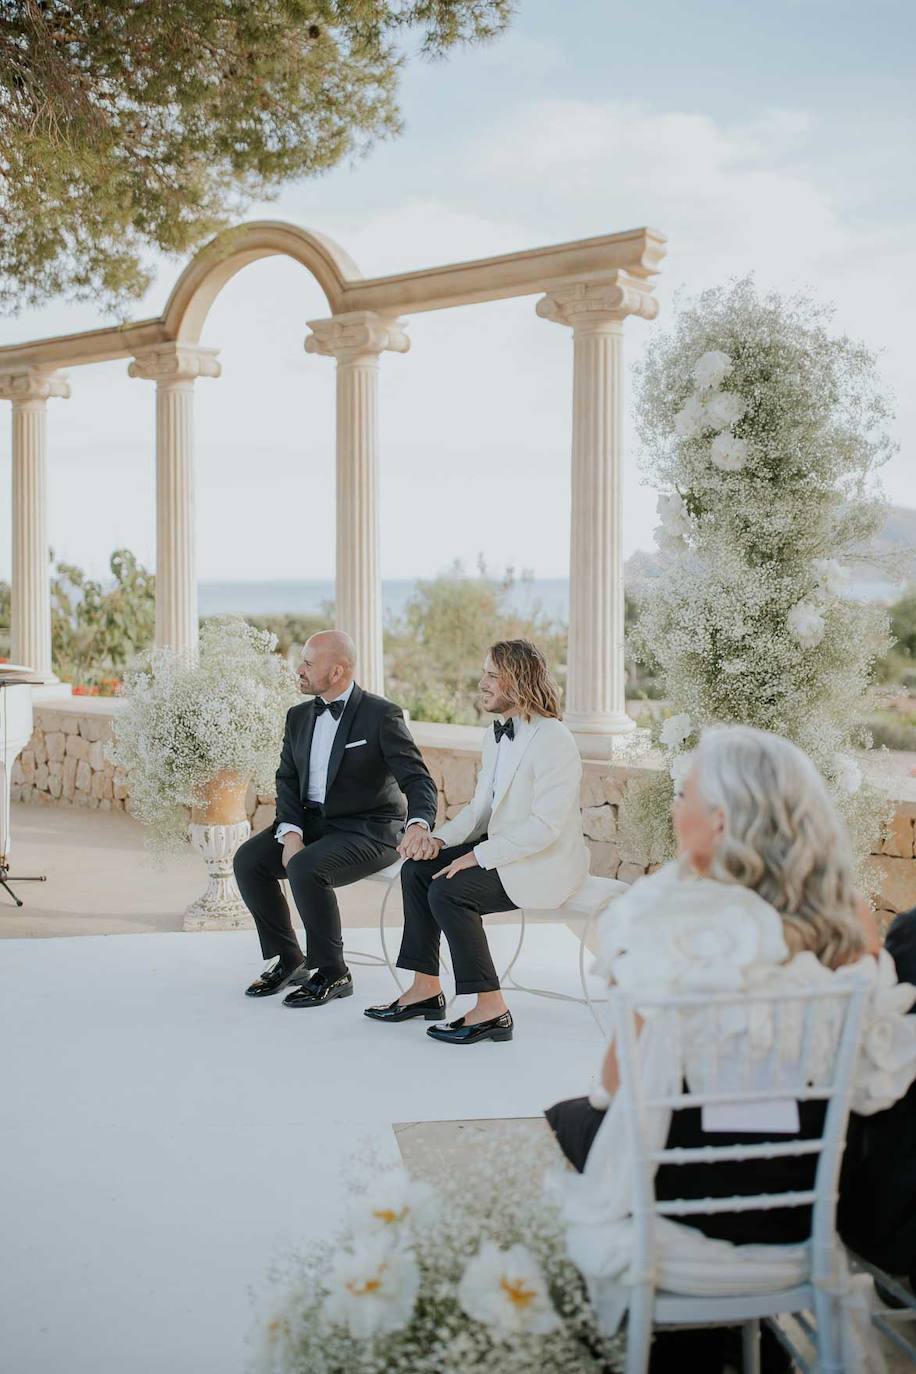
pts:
[219, 824]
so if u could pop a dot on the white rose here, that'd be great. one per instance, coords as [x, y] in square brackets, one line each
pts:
[887, 1057]
[723, 409]
[690, 419]
[806, 624]
[673, 511]
[394, 1203]
[675, 730]
[832, 577]
[282, 1329]
[372, 1288]
[712, 369]
[667, 542]
[848, 774]
[679, 767]
[728, 453]
[506, 1290]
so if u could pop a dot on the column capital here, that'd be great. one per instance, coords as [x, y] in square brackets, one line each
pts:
[356, 334]
[175, 362]
[593, 304]
[32, 384]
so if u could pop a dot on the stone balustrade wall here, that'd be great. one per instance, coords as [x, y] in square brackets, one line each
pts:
[64, 763]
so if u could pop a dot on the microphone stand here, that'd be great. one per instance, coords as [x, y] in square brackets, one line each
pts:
[6, 877]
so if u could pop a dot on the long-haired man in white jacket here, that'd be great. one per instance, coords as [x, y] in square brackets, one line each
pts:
[518, 843]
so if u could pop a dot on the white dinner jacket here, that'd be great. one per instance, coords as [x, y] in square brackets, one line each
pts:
[533, 823]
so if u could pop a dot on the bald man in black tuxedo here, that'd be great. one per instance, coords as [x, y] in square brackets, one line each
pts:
[350, 776]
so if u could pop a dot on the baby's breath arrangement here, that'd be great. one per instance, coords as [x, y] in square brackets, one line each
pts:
[186, 720]
[763, 432]
[470, 1276]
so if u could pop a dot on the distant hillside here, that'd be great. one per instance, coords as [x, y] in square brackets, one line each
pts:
[895, 546]
[879, 574]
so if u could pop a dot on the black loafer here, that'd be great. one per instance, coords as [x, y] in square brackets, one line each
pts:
[457, 1033]
[320, 989]
[432, 1008]
[273, 980]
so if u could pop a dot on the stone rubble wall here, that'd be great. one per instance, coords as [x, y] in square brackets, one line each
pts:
[64, 763]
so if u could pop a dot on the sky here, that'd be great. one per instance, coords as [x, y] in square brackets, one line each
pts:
[775, 139]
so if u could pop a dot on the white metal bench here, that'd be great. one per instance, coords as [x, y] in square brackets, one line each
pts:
[584, 905]
[359, 958]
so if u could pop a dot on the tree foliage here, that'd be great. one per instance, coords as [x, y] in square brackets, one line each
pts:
[130, 126]
[903, 624]
[435, 651]
[96, 632]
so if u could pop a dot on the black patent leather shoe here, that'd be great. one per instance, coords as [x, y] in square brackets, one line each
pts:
[432, 1008]
[457, 1033]
[273, 980]
[319, 989]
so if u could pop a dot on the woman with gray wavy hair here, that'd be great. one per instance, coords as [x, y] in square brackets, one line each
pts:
[754, 810]
[763, 876]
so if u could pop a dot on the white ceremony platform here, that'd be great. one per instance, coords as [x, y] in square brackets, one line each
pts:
[165, 1139]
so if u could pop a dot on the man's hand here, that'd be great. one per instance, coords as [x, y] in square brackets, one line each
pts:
[468, 860]
[418, 843]
[292, 843]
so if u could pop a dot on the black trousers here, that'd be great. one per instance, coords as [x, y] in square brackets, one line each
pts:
[331, 858]
[453, 907]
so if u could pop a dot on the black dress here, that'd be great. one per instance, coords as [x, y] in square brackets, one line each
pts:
[575, 1124]
[877, 1213]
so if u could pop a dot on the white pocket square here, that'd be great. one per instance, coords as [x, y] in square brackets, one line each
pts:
[354, 744]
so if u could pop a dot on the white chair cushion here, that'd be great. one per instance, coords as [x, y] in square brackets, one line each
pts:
[593, 894]
[386, 875]
[588, 898]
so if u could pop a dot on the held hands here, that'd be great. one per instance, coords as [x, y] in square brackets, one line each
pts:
[418, 843]
[292, 843]
[457, 865]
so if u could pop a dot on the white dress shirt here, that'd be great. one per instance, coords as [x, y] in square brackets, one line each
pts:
[503, 755]
[504, 749]
[326, 728]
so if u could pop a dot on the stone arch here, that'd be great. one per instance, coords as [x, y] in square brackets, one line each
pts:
[218, 262]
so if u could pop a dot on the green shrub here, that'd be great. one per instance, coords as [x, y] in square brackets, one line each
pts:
[96, 633]
[891, 730]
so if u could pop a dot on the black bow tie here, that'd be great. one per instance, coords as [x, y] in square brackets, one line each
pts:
[508, 729]
[336, 708]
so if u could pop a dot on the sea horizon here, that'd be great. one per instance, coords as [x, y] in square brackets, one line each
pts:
[307, 596]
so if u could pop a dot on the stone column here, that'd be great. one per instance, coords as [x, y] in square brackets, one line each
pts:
[356, 340]
[174, 367]
[595, 683]
[30, 612]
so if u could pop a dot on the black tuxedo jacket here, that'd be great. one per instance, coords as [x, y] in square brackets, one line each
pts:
[367, 783]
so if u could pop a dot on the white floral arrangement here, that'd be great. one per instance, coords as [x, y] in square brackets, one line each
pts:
[470, 1276]
[189, 718]
[764, 433]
